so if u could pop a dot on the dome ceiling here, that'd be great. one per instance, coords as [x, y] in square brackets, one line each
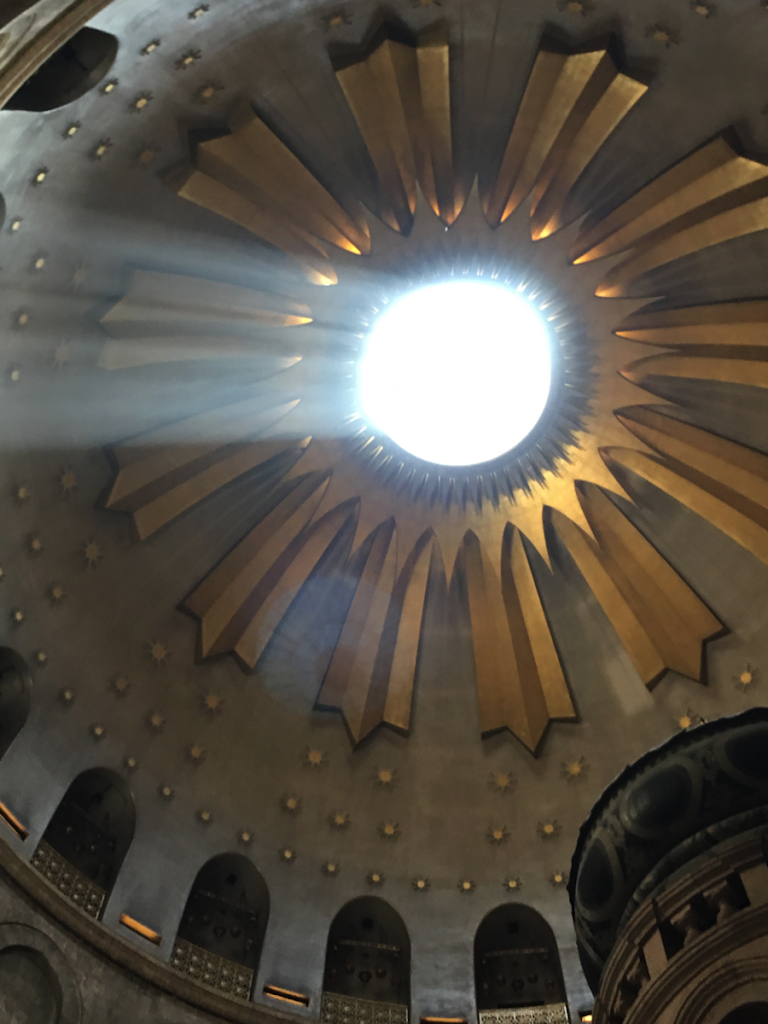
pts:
[193, 252]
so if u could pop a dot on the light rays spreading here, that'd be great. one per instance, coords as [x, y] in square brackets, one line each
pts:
[404, 521]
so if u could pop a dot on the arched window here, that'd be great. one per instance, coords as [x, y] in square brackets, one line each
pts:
[517, 965]
[15, 696]
[368, 959]
[76, 67]
[86, 841]
[222, 929]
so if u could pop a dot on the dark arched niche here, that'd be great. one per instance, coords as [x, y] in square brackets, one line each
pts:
[516, 960]
[226, 915]
[747, 1013]
[90, 830]
[369, 953]
[77, 66]
[28, 990]
[15, 696]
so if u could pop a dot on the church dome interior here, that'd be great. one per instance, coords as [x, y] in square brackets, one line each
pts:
[384, 511]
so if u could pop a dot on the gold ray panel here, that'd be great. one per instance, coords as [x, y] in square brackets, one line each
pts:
[400, 98]
[746, 368]
[726, 324]
[253, 179]
[571, 104]
[508, 659]
[712, 196]
[371, 675]
[239, 604]
[168, 471]
[171, 318]
[724, 482]
[658, 618]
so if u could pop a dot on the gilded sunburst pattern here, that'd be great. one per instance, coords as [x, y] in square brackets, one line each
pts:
[399, 525]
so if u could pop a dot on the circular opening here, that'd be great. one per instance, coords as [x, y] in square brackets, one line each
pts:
[457, 373]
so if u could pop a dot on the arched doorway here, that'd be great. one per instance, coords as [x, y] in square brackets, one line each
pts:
[517, 966]
[221, 934]
[75, 68]
[367, 961]
[86, 841]
[15, 696]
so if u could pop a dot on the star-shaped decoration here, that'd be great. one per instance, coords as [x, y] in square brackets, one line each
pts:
[150, 47]
[156, 721]
[17, 616]
[291, 804]
[207, 91]
[466, 885]
[339, 820]
[331, 868]
[375, 878]
[512, 884]
[746, 679]
[141, 101]
[315, 758]
[558, 878]
[41, 659]
[389, 830]
[147, 155]
[188, 59]
[497, 834]
[16, 224]
[35, 544]
[502, 782]
[121, 685]
[67, 696]
[109, 86]
[245, 836]
[79, 277]
[204, 816]
[196, 754]
[14, 374]
[56, 593]
[662, 34]
[549, 829]
[40, 175]
[582, 7]
[23, 493]
[71, 129]
[67, 481]
[98, 732]
[421, 884]
[101, 149]
[22, 319]
[385, 777]
[131, 763]
[575, 769]
[212, 703]
[688, 720]
[158, 652]
[198, 12]
[166, 792]
[704, 10]
[38, 263]
[287, 855]
[336, 20]
[92, 553]
[61, 355]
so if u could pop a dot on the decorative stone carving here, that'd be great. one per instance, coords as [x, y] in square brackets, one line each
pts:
[338, 1009]
[211, 969]
[553, 1013]
[68, 880]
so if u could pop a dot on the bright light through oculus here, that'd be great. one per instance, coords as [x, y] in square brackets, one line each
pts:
[457, 373]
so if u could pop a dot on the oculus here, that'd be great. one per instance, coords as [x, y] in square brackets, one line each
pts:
[457, 372]
[400, 527]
